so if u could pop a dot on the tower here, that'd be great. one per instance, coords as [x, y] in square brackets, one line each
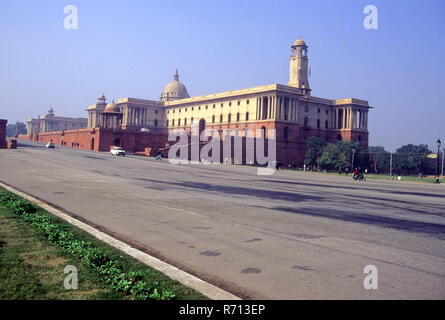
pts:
[298, 75]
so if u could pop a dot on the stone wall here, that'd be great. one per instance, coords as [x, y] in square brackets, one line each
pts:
[3, 133]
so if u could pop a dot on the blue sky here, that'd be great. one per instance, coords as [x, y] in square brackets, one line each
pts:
[132, 48]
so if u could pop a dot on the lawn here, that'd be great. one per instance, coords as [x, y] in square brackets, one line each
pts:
[35, 247]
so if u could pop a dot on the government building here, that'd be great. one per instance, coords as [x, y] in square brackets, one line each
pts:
[142, 126]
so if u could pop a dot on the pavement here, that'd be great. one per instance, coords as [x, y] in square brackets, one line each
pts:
[292, 235]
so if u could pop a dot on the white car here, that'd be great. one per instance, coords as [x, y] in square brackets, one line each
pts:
[50, 145]
[117, 151]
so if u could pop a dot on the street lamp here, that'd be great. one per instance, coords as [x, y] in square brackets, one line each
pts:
[353, 156]
[437, 162]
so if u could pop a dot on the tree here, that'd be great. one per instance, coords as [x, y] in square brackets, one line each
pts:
[415, 157]
[331, 158]
[379, 159]
[11, 129]
[316, 147]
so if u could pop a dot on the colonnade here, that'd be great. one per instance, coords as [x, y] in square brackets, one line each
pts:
[276, 108]
[350, 118]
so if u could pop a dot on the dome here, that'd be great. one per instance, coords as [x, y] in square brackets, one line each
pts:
[174, 90]
[50, 112]
[299, 42]
[112, 108]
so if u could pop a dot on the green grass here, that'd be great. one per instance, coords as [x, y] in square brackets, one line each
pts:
[32, 265]
[32, 268]
[375, 176]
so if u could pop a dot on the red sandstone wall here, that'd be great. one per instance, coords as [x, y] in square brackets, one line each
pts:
[3, 133]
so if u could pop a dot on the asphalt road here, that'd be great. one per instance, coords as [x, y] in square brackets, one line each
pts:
[292, 235]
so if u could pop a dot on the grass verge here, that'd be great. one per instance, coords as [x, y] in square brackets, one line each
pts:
[35, 246]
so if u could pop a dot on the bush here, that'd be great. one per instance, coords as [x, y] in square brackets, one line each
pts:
[129, 283]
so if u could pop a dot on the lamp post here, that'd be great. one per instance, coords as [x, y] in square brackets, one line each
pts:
[437, 162]
[352, 164]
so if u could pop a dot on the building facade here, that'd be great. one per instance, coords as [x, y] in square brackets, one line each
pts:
[51, 123]
[291, 110]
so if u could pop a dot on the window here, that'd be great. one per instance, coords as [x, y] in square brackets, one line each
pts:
[156, 111]
[326, 124]
[247, 115]
[156, 122]
[167, 123]
[228, 117]
[286, 132]
[185, 109]
[237, 117]
[318, 123]
[318, 110]
[213, 119]
[327, 112]
[222, 105]
[220, 118]
[238, 103]
[305, 121]
[193, 108]
[173, 122]
[213, 106]
[173, 110]
[191, 120]
[247, 102]
[230, 104]
[179, 111]
[207, 107]
[306, 109]
[179, 122]
[185, 121]
[199, 108]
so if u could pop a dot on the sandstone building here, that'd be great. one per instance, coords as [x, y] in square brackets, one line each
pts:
[137, 124]
[51, 123]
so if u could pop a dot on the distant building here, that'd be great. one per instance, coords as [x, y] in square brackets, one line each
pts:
[136, 124]
[51, 123]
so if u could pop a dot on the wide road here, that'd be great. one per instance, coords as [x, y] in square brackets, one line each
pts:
[292, 235]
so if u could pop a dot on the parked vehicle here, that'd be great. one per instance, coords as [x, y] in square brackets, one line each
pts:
[117, 151]
[50, 145]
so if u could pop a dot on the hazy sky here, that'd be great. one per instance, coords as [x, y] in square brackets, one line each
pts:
[132, 48]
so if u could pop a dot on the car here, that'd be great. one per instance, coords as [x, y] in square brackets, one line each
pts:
[117, 151]
[50, 145]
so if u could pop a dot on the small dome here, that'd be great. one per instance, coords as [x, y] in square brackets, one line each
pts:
[112, 108]
[101, 97]
[174, 90]
[50, 112]
[299, 42]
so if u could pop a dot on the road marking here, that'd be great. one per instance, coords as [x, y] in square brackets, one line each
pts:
[174, 273]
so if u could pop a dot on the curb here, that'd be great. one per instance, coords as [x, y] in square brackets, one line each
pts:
[205, 288]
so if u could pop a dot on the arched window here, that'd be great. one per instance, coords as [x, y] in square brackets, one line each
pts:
[247, 115]
[173, 122]
[92, 143]
[228, 117]
[156, 123]
[220, 118]
[237, 116]
[213, 119]
[179, 122]
[306, 122]
[318, 123]
[326, 124]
